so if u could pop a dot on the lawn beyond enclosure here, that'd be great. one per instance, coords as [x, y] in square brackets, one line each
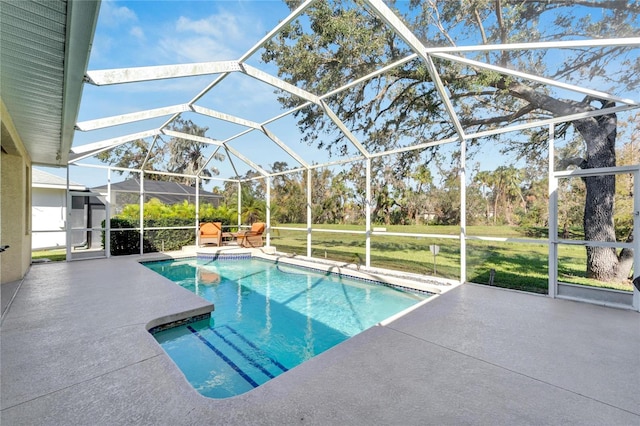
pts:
[521, 266]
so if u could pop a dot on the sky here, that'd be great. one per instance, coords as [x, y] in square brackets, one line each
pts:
[148, 33]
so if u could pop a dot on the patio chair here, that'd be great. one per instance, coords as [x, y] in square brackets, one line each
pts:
[252, 237]
[211, 233]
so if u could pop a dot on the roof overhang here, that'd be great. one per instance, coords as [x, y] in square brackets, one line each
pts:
[44, 56]
[59, 187]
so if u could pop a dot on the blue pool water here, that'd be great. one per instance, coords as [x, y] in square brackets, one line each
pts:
[268, 318]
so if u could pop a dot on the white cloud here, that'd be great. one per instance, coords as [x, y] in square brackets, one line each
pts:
[111, 33]
[174, 91]
[221, 36]
[137, 32]
[223, 25]
[112, 15]
[196, 49]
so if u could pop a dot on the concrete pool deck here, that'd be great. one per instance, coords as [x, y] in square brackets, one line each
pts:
[75, 350]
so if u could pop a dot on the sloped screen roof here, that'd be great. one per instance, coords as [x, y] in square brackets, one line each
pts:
[253, 136]
[167, 192]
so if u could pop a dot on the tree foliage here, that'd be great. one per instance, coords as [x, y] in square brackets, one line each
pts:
[179, 155]
[341, 41]
[154, 209]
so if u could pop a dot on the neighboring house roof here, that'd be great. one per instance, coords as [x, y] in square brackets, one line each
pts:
[42, 179]
[167, 192]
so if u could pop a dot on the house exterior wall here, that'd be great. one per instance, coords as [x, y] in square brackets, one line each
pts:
[15, 204]
[48, 214]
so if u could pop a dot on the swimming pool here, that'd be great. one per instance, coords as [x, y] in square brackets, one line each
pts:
[268, 318]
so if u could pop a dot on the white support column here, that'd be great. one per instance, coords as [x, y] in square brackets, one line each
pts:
[367, 213]
[463, 211]
[636, 240]
[239, 205]
[267, 182]
[107, 222]
[197, 211]
[141, 212]
[67, 222]
[309, 219]
[553, 217]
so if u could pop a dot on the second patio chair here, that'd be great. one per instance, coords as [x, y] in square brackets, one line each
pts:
[252, 237]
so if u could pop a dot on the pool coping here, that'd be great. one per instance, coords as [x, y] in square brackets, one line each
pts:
[410, 282]
[406, 280]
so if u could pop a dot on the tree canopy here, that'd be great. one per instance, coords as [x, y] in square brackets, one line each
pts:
[179, 156]
[340, 42]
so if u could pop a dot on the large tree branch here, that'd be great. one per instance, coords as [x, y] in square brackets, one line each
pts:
[439, 25]
[610, 4]
[483, 34]
[503, 32]
[540, 100]
[578, 162]
[601, 128]
[501, 119]
[463, 95]
[394, 102]
[584, 59]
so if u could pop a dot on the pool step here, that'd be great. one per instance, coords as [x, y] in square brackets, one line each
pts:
[241, 354]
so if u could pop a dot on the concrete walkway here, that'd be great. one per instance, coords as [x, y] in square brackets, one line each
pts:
[75, 350]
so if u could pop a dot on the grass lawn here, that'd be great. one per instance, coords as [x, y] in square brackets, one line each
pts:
[56, 255]
[518, 266]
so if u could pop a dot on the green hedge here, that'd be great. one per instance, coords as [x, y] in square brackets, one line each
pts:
[128, 242]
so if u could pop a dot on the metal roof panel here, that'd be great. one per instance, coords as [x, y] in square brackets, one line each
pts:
[44, 53]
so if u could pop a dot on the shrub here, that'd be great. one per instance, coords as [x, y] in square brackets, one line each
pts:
[128, 241]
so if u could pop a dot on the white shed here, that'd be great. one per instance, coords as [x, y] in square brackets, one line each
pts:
[48, 212]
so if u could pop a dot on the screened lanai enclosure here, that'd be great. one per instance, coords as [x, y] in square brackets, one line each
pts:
[492, 142]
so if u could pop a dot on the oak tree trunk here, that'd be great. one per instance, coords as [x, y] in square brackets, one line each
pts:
[602, 262]
[625, 262]
[600, 136]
